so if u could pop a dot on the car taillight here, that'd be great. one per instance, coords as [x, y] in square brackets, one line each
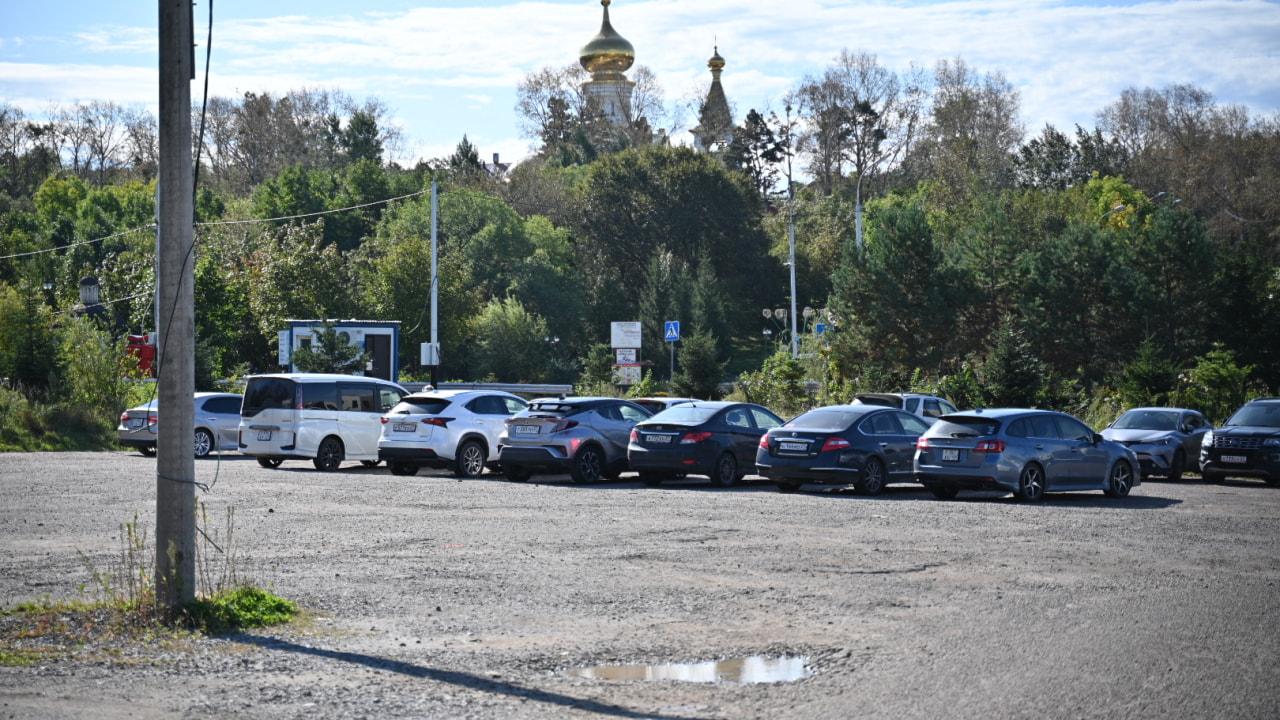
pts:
[564, 425]
[835, 443]
[635, 435]
[151, 419]
[694, 438]
[922, 443]
[124, 416]
[989, 446]
[437, 421]
[385, 420]
[764, 442]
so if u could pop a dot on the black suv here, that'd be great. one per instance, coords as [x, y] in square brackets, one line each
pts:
[1246, 445]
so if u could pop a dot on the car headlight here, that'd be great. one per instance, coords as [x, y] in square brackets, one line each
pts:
[1163, 441]
[1206, 440]
[1271, 442]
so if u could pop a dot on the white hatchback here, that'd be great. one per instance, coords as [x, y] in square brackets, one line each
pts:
[455, 429]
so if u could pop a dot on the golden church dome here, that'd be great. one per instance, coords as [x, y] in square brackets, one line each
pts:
[608, 52]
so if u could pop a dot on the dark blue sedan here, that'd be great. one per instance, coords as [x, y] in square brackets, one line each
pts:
[867, 446]
[716, 439]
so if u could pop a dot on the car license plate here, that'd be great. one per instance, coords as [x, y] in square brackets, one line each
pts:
[527, 429]
[793, 446]
[403, 427]
[950, 454]
[135, 424]
[264, 434]
[657, 439]
[1235, 459]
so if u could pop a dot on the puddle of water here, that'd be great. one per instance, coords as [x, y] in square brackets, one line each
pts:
[751, 669]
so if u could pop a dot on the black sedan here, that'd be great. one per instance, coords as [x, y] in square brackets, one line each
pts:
[867, 446]
[716, 439]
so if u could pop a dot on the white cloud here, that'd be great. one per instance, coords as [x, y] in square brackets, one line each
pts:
[454, 70]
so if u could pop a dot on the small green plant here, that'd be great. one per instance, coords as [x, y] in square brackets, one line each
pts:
[243, 607]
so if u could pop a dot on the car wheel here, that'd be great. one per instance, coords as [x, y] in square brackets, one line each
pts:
[516, 473]
[872, 481]
[726, 472]
[147, 450]
[469, 460]
[329, 455]
[1120, 480]
[1213, 478]
[203, 442]
[1031, 483]
[788, 485]
[588, 466]
[652, 479]
[402, 468]
[270, 462]
[1178, 466]
[944, 492]
[370, 463]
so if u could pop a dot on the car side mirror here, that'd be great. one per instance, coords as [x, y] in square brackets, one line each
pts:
[1098, 439]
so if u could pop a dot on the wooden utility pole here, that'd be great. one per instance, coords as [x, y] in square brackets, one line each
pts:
[175, 356]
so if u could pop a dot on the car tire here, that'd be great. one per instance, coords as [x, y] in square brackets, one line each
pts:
[588, 466]
[1119, 480]
[147, 450]
[469, 460]
[203, 442]
[270, 462]
[1178, 466]
[402, 468]
[1031, 483]
[945, 492]
[726, 471]
[329, 455]
[1213, 478]
[788, 485]
[651, 479]
[872, 480]
[517, 473]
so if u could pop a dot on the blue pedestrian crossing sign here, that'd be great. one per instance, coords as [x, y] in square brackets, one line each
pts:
[672, 331]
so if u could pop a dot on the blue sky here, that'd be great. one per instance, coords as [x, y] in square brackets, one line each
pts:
[449, 68]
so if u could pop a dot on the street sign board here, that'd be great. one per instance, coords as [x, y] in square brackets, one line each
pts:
[626, 356]
[672, 332]
[625, 334]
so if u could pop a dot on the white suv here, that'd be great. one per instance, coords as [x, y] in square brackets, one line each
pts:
[929, 407]
[446, 428]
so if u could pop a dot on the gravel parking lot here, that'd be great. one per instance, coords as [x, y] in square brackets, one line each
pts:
[430, 597]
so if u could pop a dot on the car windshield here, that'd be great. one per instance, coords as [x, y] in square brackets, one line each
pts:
[1257, 416]
[1147, 420]
[824, 420]
[421, 406]
[964, 427]
[685, 414]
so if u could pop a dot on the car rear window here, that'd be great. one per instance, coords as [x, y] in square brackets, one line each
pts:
[964, 427]
[824, 420]
[686, 414]
[266, 393]
[421, 406]
[558, 409]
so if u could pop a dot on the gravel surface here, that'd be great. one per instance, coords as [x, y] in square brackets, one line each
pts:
[430, 597]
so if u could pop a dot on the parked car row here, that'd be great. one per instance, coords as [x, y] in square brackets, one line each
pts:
[876, 440]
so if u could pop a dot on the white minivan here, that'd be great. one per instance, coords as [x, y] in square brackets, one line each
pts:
[320, 417]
